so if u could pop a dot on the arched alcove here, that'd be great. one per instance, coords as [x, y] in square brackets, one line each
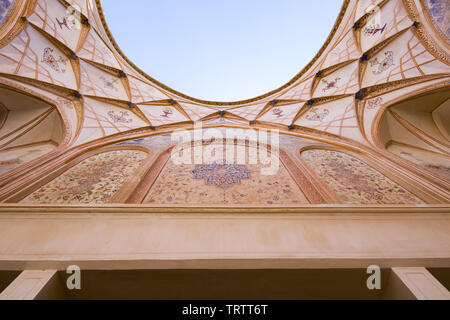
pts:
[418, 130]
[29, 128]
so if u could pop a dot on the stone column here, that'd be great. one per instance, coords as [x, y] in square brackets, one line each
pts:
[421, 283]
[34, 285]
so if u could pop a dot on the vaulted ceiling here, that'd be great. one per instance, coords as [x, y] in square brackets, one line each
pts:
[378, 53]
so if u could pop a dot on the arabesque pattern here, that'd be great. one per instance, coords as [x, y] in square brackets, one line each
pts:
[378, 53]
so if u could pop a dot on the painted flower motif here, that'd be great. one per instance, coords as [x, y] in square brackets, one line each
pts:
[120, 118]
[316, 115]
[57, 63]
[374, 103]
[383, 65]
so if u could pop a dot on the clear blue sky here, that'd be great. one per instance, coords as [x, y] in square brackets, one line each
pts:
[221, 50]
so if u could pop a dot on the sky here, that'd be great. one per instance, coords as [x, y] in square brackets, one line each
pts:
[221, 50]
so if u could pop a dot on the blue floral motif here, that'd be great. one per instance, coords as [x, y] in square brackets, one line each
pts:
[5, 8]
[438, 10]
[221, 175]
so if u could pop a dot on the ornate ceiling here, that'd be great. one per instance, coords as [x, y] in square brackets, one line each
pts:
[378, 53]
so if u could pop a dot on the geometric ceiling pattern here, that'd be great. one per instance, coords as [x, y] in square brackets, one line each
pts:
[377, 48]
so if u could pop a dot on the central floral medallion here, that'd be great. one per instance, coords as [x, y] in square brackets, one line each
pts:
[222, 175]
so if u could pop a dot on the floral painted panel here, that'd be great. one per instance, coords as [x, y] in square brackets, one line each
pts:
[223, 184]
[354, 181]
[93, 181]
[439, 11]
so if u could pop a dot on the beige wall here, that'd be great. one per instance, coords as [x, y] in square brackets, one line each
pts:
[127, 237]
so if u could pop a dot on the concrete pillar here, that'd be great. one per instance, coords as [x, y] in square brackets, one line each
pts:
[34, 285]
[421, 283]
